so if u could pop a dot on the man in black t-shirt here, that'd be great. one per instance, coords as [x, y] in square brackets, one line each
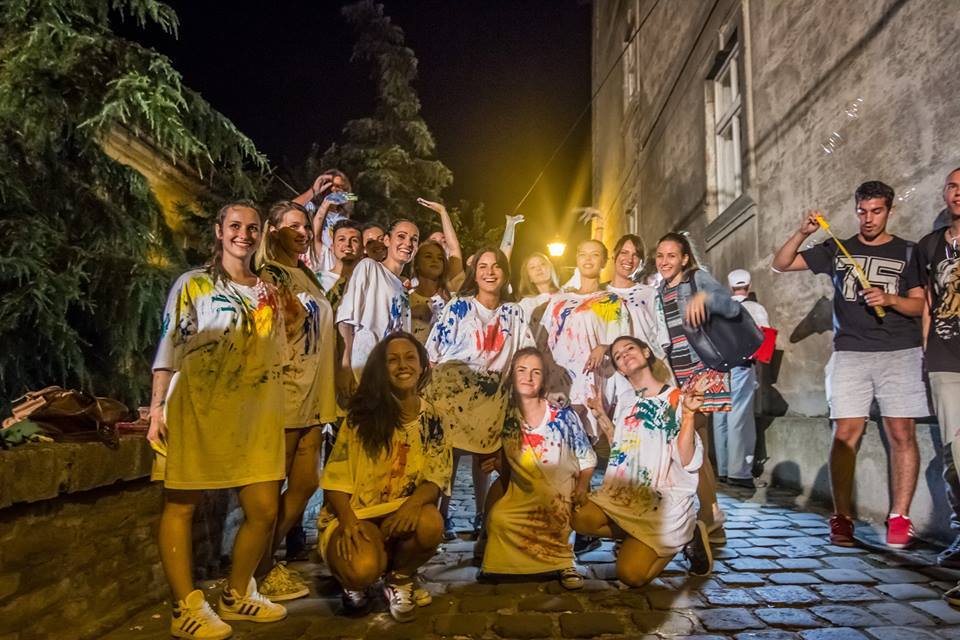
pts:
[938, 255]
[873, 357]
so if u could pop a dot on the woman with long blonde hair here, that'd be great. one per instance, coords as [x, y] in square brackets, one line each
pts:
[308, 374]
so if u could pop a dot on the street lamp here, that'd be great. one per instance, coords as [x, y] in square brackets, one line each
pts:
[556, 248]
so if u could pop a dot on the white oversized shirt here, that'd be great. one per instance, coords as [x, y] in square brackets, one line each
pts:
[308, 372]
[376, 304]
[643, 303]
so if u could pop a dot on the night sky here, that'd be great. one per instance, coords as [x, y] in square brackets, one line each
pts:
[500, 83]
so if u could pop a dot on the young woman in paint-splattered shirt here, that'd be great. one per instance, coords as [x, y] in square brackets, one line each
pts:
[308, 381]
[641, 300]
[471, 345]
[580, 326]
[375, 303]
[389, 466]
[647, 498]
[217, 413]
[430, 295]
[549, 462]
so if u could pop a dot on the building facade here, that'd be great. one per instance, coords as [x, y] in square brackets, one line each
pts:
[730, 118]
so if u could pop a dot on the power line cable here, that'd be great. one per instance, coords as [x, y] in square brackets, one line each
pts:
[586, 108]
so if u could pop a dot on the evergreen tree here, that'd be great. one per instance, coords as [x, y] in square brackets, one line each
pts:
[87, 258]
[389, 156]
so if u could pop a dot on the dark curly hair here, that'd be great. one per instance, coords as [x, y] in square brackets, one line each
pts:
[874, 189]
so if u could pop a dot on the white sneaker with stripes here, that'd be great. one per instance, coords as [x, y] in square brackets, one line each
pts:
[193, 617]
[250, 606]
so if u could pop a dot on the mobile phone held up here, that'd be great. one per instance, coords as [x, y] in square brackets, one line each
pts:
[341, 197]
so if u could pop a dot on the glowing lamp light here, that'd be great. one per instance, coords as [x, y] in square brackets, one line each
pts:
[556, 248]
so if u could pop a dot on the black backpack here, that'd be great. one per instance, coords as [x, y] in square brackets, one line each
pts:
[724, 343]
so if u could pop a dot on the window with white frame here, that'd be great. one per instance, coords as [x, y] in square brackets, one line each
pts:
[728, 116]
[631, 82]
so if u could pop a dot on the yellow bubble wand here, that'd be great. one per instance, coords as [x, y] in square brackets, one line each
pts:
[857, 269]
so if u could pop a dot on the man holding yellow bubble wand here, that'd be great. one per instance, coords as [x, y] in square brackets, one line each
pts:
[877, 301]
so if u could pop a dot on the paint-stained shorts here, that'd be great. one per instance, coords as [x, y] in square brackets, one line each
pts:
[894, 378]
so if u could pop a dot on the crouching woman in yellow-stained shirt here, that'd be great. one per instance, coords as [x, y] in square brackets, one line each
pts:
[388, 468]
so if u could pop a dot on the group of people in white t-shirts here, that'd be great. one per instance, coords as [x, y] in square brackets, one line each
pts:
[307, 327]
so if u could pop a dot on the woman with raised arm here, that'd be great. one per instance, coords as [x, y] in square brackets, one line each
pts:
[547, 475]
[688, 294]
[375, 302]
[471, 345]
[647, 496]
[448, 240]
[216, 419]
[580, 326]
[428, 298]
[388, 468]
[329, 201]
[307, 380]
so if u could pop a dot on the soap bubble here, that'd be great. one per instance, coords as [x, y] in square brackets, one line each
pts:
[907, 194]
[837, 137]
[853, 109]
[834, 142]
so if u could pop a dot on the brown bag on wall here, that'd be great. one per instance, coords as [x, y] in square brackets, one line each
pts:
[67, 415]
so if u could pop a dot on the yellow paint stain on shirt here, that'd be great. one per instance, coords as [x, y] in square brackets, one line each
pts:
[263, 320]
[528, 458]
[607, 309]
[199, 287]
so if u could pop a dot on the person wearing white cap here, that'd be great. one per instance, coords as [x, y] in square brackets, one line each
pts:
[735, 432]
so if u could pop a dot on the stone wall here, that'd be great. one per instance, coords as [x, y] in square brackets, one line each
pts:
[803, 61]
[78, 529]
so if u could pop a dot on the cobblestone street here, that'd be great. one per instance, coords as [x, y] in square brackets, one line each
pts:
[776, 577]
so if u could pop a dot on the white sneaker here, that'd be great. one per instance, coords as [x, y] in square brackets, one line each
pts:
[193, 617]
[282, 584]
[398, 590]
[420, 594]
[252, 606]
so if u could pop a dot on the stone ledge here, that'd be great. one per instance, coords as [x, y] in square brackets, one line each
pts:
[45, 470]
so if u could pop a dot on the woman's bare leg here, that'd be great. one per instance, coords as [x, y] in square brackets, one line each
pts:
[366, 564]
[259, 502]
[175, 539]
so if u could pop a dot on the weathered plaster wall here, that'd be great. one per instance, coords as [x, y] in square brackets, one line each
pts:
[805, 60]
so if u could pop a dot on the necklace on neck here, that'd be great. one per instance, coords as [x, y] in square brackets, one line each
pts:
[953, 251]
[641, 392]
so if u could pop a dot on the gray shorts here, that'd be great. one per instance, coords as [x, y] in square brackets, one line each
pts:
[894, 378]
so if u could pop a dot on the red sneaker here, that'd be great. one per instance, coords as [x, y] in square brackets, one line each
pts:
[841, 530]
[899, 531]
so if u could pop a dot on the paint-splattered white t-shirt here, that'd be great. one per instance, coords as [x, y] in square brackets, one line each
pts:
[471, 347]
[376, 304]
[226, 343]
[308, 373]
